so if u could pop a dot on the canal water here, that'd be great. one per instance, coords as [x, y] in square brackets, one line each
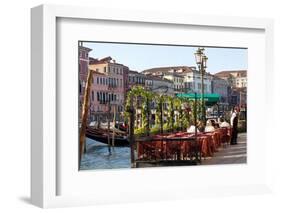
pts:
[98, 156]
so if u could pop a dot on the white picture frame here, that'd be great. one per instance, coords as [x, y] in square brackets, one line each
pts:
[44, 150]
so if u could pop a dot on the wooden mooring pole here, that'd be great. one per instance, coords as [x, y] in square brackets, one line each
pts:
[114, 123]
[84, 114]
[131, 132]
[108, 127]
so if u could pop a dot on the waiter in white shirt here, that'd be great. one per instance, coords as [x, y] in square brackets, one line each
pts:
[234, 125]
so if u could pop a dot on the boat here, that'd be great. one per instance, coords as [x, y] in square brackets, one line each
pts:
[101, 135]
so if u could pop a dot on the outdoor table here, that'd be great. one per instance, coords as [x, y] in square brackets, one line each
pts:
[171, 147]
[206, 146]
[214, 140]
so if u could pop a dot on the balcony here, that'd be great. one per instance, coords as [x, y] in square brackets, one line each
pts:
[112, 86]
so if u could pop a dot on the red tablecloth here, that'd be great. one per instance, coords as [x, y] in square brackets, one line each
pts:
[163, 147]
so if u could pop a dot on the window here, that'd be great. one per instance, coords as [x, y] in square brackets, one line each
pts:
[117, 82]
[93, 98]
[104, 69]
[199, 86]
[103, 96]
[98, 96]
[97, 80]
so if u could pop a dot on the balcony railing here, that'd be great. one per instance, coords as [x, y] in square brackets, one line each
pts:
[104, 102]
[112, 86]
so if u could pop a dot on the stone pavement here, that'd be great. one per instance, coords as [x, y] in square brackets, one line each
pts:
[231, 154]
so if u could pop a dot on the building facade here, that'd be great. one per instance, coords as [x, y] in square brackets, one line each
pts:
[136, 79]
[177, 79]
[193, 82]
[236, 78]
[83, 71]
[221, 87]
[185, 79]
[99, 96]
[114, 83]
[159, 85]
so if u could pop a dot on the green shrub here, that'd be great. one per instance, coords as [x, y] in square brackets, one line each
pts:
[140, 131]
[155, 129]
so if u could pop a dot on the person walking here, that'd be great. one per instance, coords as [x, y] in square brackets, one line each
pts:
[234, 125]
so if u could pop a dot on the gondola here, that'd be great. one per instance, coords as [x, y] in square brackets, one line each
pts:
[101, 135]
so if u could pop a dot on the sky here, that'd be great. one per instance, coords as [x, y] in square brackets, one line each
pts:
[139, 57]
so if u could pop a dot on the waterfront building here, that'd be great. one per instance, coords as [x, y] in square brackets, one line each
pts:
[238, 97]
[173, 73]
[159, 85]
[236, 78]
[100, 95]
[160, 71]
[125, 80]
[83, 70]
[185, 78]
[177, 80]
[193, 82]
[221, 87]
[136, 79]
[114, 82]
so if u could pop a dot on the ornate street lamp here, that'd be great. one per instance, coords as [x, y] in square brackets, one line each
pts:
[199, 56]
[201, 61]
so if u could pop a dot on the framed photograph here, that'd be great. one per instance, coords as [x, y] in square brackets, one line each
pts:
[131, 106]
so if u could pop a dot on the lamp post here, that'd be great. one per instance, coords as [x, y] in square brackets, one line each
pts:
[201, 61]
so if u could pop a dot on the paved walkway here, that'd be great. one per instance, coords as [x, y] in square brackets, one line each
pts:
[231, 154]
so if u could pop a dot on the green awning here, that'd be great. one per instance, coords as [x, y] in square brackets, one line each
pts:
[210, 98]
